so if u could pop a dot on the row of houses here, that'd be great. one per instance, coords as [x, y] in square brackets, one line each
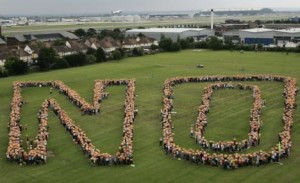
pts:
[28, 49]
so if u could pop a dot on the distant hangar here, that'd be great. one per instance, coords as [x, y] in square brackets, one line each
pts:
[263, 36]
[173, 33]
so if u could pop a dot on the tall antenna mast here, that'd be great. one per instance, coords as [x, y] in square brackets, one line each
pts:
[212, 19]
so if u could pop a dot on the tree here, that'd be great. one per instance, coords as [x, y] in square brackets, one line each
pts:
[78, 59]
[16, 66]
[200, 45]
[214, 43]
[91, 51]
[60, 63]
[80, 33]
[100, 55]
[259, 47]
[117, 55]
[116, 34]
[122, 51]
[90, 59]
[91, 32]
[137, 52]
[175, 47]
[154, 47]
[59, 42]
[298, 49]
[46, 57]
[184, 43]
[165, 44]
[141, 35]
[3, 72]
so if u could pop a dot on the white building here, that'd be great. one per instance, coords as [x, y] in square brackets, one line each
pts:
[264, 36]
[173, 33]
[126, 18]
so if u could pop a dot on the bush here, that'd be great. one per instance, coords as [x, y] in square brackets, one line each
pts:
[15, 66]
[60, 63]
[137, 52]
[184, 43]
[46, 58]
[175, 47]
[91, 51]
[117, 55]
[154, 47]
[78, 59]
[90, 59]
[100, 55]
[3, 72]
[214, 43]
[200, 45]
[165, 44]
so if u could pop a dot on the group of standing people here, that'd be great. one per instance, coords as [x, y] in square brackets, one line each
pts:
[228, 146]
[38, 149]
[234, 159]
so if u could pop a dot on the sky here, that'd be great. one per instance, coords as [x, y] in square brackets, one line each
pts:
[39, 7]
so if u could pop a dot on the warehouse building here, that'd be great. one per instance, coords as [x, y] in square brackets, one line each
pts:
[257, 36]
[42, 36]
[263, 36]
[173, 33]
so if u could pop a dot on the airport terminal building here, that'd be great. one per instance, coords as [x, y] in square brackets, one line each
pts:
[173, 33]
[264, 36]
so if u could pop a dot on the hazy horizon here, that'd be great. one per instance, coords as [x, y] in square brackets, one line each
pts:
[73, 7]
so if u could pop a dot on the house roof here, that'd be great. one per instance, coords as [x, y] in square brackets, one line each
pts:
[146, 40]
[12, 51]
[62, 49]
[32, 45]
[77, 45]
[108, 42]
[129, 41]
[48, 44]
[137, 40]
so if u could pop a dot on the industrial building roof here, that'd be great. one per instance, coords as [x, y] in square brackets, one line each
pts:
[165, 30]
[290, 30]
[255, 30]
[44, 36]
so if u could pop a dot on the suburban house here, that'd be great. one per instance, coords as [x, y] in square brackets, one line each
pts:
[63, 50]
[14, 51]
[138, 42]
[77, 46]
[31, 48]
[108, 44]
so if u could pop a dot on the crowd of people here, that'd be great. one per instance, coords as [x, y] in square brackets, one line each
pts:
[37, 150]
[234, 159]
[228, 146]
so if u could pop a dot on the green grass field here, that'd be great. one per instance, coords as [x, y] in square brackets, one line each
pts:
[228, 118]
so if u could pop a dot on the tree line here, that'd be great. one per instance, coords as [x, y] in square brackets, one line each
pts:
[48, 59]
